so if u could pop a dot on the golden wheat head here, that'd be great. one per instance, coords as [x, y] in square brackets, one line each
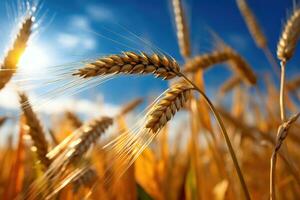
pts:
[289, 37]
[131, 63]
[89, 133]
[166, 108]
[36, 131]
[11, 60]
[182, 29]
[252, 24]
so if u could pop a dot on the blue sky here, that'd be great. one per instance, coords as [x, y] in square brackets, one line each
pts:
[72, 30]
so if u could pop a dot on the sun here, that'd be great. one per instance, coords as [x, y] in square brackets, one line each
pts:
[34, 58]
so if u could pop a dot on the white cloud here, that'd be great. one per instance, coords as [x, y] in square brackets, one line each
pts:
[68, 40]
[99, 13]
[9, 101]
[82, 42]
[80, 22]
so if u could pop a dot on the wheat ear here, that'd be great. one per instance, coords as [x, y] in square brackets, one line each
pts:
[252, 24]
[127, 147]
[36, 131]
[11, 60]
[257, 33]
[182, 29]
[281, 135]
[206, 60]
[225, 54]
[131, 63]
[73, 118]
[88, 134]
[289, 37]
[166, 108]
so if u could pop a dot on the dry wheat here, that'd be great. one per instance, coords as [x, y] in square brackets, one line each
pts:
[36, 131]
[226, 54]
[182, 29]
[165, 109]
[252, 24]
[131, 63]
[289, 37]
[10, 62]
[88, 134]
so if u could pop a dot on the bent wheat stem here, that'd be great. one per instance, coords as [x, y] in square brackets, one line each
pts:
[281, 135]
[282, 87]
[227, 140]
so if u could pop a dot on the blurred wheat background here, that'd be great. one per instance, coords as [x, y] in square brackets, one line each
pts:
[172, 99]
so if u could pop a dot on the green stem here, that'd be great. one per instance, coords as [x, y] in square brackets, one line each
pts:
[224, 132]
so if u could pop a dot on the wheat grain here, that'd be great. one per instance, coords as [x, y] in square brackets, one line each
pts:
[289, 37]
[252, 24]
[131, 63]
[166, 108]
[36, 131]
[182, 29]
[9, 65]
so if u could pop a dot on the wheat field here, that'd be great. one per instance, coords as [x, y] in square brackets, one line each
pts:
[182, 143]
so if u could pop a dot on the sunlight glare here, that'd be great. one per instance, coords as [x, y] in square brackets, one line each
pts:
[34, 58]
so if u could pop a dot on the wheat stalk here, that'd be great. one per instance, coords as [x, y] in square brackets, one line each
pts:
[182, 29]
[131, 63]
[281, 135]
[10, 62]
[36, 131]
[226, 137]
